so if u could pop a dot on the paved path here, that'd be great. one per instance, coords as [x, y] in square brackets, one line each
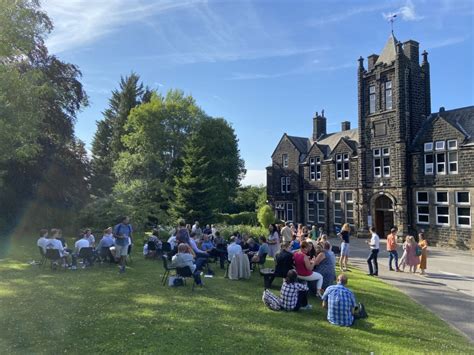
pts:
[447, 290]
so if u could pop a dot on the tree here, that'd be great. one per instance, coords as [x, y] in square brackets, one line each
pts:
[108, 140]
[248, 198]
[192, 190]
[265, 216]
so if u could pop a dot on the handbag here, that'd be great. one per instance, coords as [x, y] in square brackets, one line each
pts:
[418, 251]
[360, 312]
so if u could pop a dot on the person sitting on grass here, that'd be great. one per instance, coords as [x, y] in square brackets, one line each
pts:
[43, 239]
[184, 258]
[340, 303]
[294, 295]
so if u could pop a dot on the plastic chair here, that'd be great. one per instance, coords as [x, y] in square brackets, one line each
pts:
[167, 268]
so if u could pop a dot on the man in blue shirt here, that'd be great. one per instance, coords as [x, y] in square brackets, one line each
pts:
[123, 238]
[340, 302]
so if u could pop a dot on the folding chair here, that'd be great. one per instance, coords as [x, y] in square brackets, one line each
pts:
[86, 254]
[184, 273]
[43, 256]
[53, 255]
[167, 268]
[261, 261]
[105, 254]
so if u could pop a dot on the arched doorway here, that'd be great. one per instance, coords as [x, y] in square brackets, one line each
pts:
[384, 219]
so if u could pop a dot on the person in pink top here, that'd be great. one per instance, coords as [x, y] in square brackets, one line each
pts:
[412, 260]
[304, 266]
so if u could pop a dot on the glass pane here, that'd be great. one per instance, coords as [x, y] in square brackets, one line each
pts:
[443, 220]
[423, 209]
[464, 211]
[443, 210]
[423, 218]
[464, 221]
[463, 197]
[442, 197]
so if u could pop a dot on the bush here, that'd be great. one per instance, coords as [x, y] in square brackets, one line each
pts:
[246, 218]
[266, 216]
[227, 231]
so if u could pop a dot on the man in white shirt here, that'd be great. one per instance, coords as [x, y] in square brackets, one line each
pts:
[374, 245]
[54, 243]
[81, 243]
[286, 233]
[233, 249]
[43, 240]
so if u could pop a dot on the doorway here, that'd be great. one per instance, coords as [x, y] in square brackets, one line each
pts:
[384, 219]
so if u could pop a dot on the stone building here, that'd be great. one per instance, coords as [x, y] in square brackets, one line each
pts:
[403, 166]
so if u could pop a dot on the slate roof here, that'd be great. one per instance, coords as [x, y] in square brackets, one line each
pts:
[330, 140]
[461, 118]
[389, 52]
[301, 143]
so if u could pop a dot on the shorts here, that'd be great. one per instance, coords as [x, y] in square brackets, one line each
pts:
[344, 249]
[121, 250]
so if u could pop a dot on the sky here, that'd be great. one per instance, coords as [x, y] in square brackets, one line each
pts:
[266, 66]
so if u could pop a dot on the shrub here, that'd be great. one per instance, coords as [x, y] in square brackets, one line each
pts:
[246, 218]
[227, 231]
[266, 216]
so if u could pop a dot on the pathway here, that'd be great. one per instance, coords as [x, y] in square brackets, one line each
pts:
[447, 290]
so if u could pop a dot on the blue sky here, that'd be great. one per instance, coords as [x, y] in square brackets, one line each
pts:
[265, 66]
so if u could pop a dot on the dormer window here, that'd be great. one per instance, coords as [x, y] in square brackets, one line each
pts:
[284, 160]
[342, 166]
[315, 168]
[388, 95]
[372, 98]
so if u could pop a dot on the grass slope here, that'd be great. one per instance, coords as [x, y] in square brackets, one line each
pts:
[97, 310]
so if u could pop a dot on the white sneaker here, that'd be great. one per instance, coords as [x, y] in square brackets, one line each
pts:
[307, 307]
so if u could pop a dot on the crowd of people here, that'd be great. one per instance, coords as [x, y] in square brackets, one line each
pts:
[303, 256]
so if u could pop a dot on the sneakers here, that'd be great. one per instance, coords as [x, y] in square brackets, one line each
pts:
[306, 308]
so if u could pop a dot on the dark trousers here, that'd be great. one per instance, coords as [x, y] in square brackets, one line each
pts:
[373, 270]
[393, 254]
[197, 277]
[302, 300]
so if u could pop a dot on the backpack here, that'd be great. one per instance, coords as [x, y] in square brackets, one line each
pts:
[360, 312]
[271, 301]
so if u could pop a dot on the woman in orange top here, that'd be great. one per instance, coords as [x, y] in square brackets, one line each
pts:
[423, 244]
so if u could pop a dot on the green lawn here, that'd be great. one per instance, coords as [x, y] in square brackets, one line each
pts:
[97, 310]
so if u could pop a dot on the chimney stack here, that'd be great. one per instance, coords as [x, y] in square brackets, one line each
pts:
[371, 60]
[411, 49]
[345, 126]
[319, 126]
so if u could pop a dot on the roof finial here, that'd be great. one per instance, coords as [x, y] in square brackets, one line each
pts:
[322, 112]
[391, 18]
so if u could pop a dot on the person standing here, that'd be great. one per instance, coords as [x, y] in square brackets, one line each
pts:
[344, 235]
[412, 260]
[392, 249]
[123, 238]
[423, 244]
[374, 244]
[273, 240]
[286, 233]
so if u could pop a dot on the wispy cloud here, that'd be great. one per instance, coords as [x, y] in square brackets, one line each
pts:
[82, 22]
[406, 13]
[446, 42]
[343, 15]
[296, 71]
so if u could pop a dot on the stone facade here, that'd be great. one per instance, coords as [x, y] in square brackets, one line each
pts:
[383, 173]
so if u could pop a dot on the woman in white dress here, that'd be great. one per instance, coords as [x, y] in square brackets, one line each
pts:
[273, 240]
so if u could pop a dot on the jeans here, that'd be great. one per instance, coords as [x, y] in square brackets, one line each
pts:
[393, 254]
[373, 259]
[302, 300]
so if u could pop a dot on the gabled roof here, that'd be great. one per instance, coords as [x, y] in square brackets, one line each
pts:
[330, 140]
[389, 52]
[302, 144]
[461, 119]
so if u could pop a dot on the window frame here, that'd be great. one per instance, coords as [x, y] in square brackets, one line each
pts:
[339, 167]
[449, 162]
[288, 184]
[372, 99]
[425, 149]
[442, 146]
[321, 201]
[284, 160]
[418, 214]
[388, 93]
[442, 215]
[318, 169]
[451, 141]
[348, 202]
[312, 169]
[442, 202]
[426, 165]
[419, 202]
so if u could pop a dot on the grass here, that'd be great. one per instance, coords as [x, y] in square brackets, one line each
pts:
[97, 310]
